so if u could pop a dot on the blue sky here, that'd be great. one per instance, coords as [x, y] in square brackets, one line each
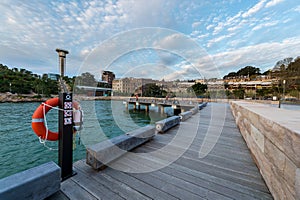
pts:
[230, 34]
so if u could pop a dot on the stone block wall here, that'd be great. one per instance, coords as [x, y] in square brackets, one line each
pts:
[273, 137]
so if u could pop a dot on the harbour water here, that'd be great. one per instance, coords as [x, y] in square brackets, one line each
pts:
[20, 148]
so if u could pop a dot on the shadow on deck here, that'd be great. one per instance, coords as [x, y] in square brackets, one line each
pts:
[227, 172]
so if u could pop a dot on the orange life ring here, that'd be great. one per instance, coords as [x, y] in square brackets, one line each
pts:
[38, 124]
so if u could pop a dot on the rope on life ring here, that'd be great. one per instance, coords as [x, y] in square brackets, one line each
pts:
[39, 124]
[39, 121]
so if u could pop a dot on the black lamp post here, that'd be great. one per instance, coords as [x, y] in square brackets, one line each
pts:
[65, 117]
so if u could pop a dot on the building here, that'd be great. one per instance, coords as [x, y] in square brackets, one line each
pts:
[215, 85]
[53, 77]
[129, 86]
[108, 77]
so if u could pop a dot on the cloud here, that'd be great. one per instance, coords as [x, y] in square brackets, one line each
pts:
[219, 28]
[202, 36]
[262, 55]
[196, 24]
[80, 26]
[185, 71]
[256, 8]
[273, 3]
[297, 9]
[264, 25]
[209, 27]
[176, 41]
[218, 39]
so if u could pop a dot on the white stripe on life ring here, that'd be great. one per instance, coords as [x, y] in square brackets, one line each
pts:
[38, 120]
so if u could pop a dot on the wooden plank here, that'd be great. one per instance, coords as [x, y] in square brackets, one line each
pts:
[172, 188]
[75, 192]
[225, 153]
[226, 162]
[213, 183]
[95, 188]
[206, 179]
[138, 185]
[114, 185]
[58, 196]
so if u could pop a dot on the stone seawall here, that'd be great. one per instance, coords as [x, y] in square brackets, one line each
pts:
[273, 137]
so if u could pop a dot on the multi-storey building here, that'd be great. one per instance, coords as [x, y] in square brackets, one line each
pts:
[108, 77]
[130, 85]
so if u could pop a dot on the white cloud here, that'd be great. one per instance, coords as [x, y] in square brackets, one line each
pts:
[196, 24]
[273, 3]
[202, 36]
[79, 26]
[218, 28]
[256, 8]
[264, 25]
[218, 39]
[209, 27]
[185, 71]
[297, 9]
[261, 55]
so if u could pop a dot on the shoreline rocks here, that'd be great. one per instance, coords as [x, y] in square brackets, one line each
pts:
[19, 98]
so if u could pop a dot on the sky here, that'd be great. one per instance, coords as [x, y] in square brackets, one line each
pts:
[159, 39]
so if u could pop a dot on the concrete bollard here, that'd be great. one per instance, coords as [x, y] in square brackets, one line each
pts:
[164, 125]
[100, 154]
[185, 115]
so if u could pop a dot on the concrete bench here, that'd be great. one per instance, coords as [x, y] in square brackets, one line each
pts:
[100, 154]
[36, 183]
[164, 125]
[202, 105]
[185, 115]
[194, 110]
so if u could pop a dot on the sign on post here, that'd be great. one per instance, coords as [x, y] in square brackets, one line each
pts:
[65, 152]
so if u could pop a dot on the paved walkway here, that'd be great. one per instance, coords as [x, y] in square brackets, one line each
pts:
[227, 172]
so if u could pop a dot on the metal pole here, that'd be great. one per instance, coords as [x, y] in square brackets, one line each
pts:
[284, 81]
[65, 117]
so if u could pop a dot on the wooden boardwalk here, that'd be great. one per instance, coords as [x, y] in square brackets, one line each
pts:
[227, 172]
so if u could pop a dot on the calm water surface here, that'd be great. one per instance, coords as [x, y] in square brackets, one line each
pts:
[20, 148]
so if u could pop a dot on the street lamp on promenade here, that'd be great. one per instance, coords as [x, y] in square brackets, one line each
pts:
[283, 93]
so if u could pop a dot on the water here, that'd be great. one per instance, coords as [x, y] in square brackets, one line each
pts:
[20, 148]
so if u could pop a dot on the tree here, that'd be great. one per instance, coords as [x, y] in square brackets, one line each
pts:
[231, 74]
[152, 90]
[198, 88]
[239, 93]
[86, 79]
[289, 78]
[246, 71]
[24, 82]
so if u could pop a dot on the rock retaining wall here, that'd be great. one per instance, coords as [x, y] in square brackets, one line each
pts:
[273, 137]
